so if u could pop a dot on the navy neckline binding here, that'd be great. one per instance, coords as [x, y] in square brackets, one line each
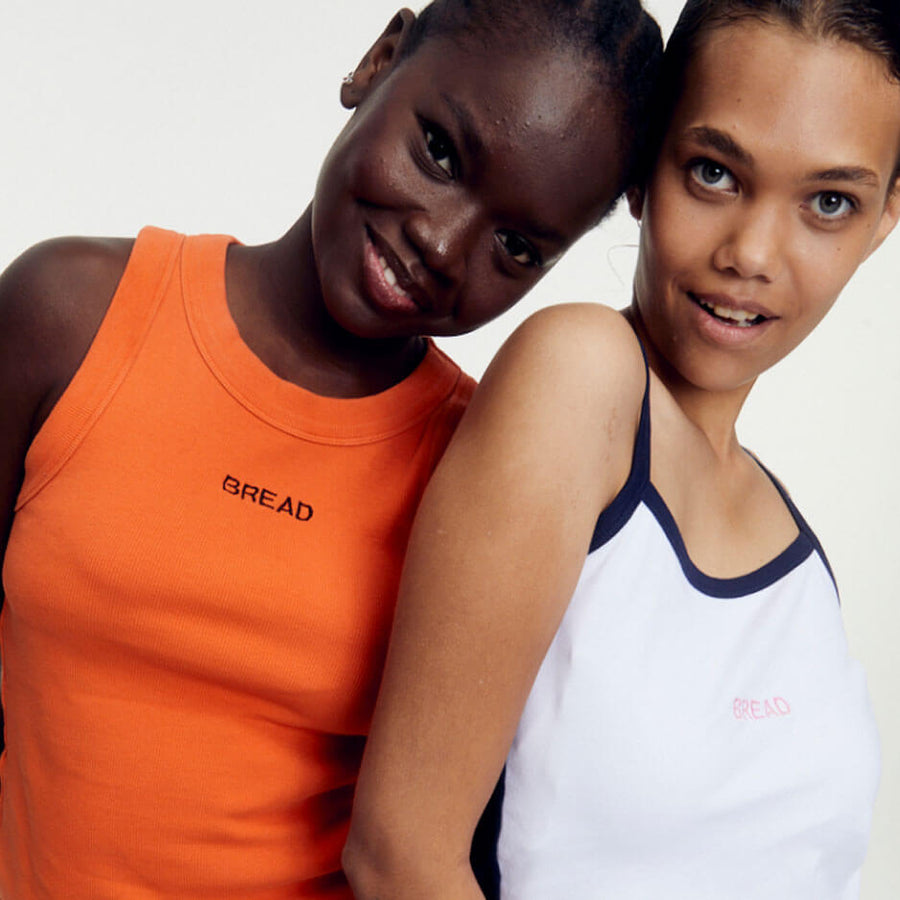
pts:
[638, 488]
[741, 585]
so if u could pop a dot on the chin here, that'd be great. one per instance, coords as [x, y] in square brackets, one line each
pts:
[716, 376]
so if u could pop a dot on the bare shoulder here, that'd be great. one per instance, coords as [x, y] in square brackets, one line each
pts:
[578, 330]
[63, 278]
[52, 300]
[563, 395]
[581, 353]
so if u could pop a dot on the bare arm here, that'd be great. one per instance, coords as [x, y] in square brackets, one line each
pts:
[498, 545]
[52, 300]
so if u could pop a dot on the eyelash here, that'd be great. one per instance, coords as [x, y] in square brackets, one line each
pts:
[439, 147]
[442, 156]
[508, 238]
[695, 167]
[849, 204]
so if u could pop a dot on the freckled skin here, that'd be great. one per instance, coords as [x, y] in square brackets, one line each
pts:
[797, 106]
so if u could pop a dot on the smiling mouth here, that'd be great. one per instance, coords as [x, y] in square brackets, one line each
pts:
[740, 318]
[391, 278]
[389, 285]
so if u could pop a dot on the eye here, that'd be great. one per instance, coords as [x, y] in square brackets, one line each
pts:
[519, 249]
[712, 175]
[832, 205]
[440, 148]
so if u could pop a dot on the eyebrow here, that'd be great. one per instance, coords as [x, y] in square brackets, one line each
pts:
[719, 140]
[474, 147]
[725, 144]
[465, 123]
[855, 174]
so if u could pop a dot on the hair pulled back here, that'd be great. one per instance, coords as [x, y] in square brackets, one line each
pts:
[616, 37]
[873, 25]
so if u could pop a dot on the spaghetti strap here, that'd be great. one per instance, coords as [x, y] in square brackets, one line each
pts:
[624, 503]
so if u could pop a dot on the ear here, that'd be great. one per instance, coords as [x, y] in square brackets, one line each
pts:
[378, 61]
[635, 197]
[889, 216]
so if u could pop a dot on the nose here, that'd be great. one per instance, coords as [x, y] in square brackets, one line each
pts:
[754, 243]
[443, 236]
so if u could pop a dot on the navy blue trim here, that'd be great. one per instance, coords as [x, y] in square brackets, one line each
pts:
[802, 524]
[483, 855]
[619, 511]
[729, 588]
[638, 488]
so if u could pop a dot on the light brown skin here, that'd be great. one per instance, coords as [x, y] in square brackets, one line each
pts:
[502, 533]
[468, 230]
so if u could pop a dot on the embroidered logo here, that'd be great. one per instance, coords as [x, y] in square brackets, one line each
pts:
[268, 499]
[751, 710]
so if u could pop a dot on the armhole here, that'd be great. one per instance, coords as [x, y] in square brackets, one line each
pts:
[483, 855]
[446, 416]
[122, 331]
[611, 520]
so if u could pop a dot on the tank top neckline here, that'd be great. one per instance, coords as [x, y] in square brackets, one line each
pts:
[639, 489]
[283, 404]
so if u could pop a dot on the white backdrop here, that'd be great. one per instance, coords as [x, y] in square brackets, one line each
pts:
[214, 116]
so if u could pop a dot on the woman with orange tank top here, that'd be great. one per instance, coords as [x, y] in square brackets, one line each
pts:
[211, 454]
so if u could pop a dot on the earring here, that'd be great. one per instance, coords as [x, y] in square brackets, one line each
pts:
[348, 78]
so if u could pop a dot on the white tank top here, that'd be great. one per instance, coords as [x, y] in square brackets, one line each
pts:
[688, 737]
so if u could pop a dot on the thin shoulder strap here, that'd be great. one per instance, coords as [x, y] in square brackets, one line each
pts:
[802, 524]
[619, 511]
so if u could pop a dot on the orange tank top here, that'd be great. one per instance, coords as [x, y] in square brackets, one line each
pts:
[199, 586]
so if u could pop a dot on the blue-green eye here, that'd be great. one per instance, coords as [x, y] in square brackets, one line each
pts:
[712, 175]
[440, 148]
[832, 205]
[518, 248]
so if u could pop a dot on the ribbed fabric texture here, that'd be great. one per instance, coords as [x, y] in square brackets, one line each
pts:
[199, 588]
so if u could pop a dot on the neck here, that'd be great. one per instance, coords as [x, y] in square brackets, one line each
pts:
[276, 300]
[713, 413]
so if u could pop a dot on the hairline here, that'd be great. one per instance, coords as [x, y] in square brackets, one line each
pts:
[806, 27]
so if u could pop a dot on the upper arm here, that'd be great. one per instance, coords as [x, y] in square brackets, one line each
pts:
[52, 300]
[497, 547]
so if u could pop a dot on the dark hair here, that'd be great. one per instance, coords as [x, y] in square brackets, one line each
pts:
[617, 37]
[873, 25]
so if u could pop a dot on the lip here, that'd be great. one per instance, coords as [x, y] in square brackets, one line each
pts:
[728, 302]
[406, 296]
[721, 331]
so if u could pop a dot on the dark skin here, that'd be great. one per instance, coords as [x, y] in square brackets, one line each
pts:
[441, 176]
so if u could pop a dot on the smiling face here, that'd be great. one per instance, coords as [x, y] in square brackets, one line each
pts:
[464, 173]
[773, 184]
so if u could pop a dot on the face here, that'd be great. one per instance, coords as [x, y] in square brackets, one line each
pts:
[464, 173]
[773, 184]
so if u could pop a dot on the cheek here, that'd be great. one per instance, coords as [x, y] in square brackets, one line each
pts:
[489, 293]
[361, 163]
[661, 254]
[378, 167]
[821, 274]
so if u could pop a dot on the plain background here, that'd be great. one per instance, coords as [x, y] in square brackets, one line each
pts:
[205, 116]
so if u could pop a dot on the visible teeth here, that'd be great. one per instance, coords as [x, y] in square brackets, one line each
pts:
[388, 271]
[389, 275]
[740, 317]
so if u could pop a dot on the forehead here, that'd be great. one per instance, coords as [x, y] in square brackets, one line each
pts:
[822, 102]
[542, 115]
